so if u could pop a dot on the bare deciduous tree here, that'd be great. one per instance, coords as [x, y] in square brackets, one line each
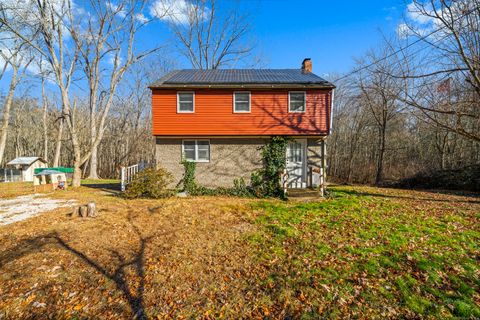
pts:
[15, 57]
[107, 48]
[452, 65]
[207, 38]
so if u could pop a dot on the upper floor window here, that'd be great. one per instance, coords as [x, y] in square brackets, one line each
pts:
[196, 150]
[241, 101]
[185, 102]
[296, 101]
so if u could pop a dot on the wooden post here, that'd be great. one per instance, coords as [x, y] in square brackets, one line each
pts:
[123, 179]
[323, 170]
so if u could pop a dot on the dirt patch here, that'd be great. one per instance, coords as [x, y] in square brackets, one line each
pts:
[25, 207]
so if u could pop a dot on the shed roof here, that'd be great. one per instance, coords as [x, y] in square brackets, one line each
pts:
[60, 169]
[240, 78]
[25, 161]
[48, 172]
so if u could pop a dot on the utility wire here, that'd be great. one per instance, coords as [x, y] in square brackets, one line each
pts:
[406, 47]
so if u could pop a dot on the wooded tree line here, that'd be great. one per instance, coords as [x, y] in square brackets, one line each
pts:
[75, 75]
[413, 103]
[127, 138]
[93, 112]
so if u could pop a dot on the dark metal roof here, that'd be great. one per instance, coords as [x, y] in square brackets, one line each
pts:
[241, 78]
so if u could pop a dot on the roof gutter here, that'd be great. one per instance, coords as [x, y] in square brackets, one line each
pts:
[244, 85]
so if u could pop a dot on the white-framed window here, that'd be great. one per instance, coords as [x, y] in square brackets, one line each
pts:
[297, 101]
[241, 102]
[196, 150]
[185, 102]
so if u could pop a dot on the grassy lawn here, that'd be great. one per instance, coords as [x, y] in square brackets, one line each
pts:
[14, 189]
[363, 253]
[372, 253]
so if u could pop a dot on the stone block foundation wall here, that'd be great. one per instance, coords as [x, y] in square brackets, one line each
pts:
[230, 159]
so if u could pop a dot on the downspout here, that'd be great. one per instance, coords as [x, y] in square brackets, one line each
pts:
[331, 112]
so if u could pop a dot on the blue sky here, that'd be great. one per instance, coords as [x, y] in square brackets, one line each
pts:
[329, 32]
[332, 33]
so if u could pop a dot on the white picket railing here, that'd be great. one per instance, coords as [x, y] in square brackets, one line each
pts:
[127, 175]
[284, 180]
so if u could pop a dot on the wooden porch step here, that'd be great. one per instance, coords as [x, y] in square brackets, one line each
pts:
[303, 193]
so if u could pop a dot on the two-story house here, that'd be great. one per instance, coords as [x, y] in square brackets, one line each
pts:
[221, 119]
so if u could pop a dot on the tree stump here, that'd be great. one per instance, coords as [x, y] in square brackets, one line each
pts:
[76, 212]
[83, 211]
[87, 210]
[91, 209]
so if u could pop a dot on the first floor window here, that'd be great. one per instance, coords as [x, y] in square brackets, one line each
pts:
[296, 101]
[196, 150]
[186, 102]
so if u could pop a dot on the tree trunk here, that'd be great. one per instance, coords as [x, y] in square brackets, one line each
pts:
[381, 152]
[93, 84]
[77, 156]
[93, 164]
[58, 147]
[6, 112]
[77, 173]
[45, 127]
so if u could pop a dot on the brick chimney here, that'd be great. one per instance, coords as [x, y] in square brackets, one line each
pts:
[307, 65]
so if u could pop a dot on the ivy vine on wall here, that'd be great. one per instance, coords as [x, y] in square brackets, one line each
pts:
[264, 182]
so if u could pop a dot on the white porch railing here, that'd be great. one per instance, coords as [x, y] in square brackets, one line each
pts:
[128, 173]
[284, 180]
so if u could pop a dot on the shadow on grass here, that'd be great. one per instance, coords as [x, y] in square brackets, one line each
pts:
[133, 292]
[474, 197]
[107, 185]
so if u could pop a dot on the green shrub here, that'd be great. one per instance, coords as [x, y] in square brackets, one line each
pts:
[239, 189]
[150, 183]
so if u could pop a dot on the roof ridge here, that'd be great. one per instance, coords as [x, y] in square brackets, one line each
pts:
[236, 69]
[164, 78]
[215, 77]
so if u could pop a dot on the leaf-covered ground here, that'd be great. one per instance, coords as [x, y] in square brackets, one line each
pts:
[363, 253]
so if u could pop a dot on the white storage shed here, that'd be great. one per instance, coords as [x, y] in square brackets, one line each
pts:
[27, 166]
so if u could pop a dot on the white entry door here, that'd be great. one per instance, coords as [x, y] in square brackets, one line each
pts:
[296, 163]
